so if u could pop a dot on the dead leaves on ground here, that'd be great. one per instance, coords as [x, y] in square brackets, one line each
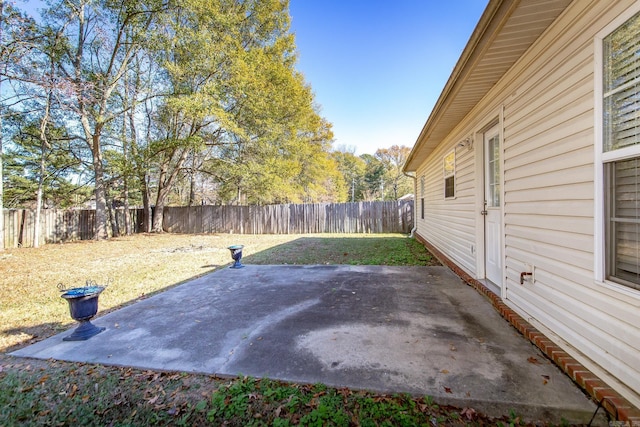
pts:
[130, 395]
[469, 413]
[534, 361]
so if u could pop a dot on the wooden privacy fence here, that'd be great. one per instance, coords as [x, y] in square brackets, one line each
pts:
[361, 217]
[79, 224]
[58, 225]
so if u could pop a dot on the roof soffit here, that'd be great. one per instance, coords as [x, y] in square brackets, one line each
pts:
[506, 30]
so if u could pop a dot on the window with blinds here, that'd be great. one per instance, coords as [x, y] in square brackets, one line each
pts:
[623, 227]
[621, 51]
[621, 130]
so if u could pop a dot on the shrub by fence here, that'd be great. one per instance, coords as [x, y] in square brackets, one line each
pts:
[362, 217]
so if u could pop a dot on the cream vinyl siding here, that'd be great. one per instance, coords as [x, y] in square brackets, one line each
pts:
[549, 177]
[549, 200]
[449, 224]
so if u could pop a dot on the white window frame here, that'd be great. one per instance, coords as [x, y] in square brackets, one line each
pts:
[451, 174]
[602, 157]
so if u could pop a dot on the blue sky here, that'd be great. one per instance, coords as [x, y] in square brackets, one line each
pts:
[377, 67]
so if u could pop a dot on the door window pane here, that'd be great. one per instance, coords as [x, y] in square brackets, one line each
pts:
[493, 175]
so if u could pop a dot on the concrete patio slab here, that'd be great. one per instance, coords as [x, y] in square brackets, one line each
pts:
[419, 330]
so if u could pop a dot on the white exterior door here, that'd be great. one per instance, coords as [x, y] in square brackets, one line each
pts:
[493, 203]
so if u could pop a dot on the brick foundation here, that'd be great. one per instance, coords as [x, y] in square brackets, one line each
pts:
[613, 402]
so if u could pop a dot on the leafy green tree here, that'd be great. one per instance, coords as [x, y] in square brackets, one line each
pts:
[98, 41]
[16, 40]
[393, 160]
[352, 169]
[38, 171]
[320, 179]
[234, 63]
[203, 48]
[374, 173]
[38, 136]
[138, 129]
[164, 95]
[179, 138]
[287, 159]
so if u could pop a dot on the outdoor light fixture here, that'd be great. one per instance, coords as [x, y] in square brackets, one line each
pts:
[467, 142]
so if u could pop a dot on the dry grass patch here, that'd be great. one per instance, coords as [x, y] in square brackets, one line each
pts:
[136, 266]
[133, 266]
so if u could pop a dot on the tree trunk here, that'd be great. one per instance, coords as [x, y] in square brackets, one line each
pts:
[158, 216]
[165, 181]
[146, 204]
[111, 214]
[192, 188]
[44, 146]
[164, 184]
[128, 147]
[127, 218]
[146, 215]
[192, 181]
[1, 189]
[36, 225]
[1, 150]
[101, 231]
[125, 174]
